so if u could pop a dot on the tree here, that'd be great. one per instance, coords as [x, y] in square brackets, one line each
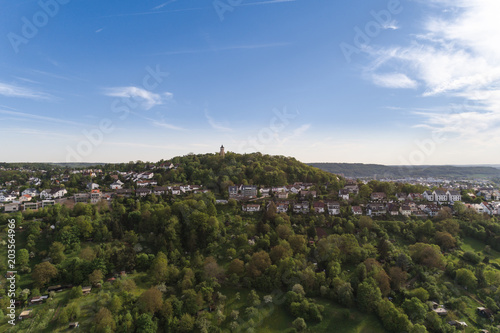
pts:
[280, 252]
[420, 293]
[283, 231]
[393, 318]
[297, 243]
[427, 255]
[259, 262]
[43, 273]
[23, 257]
[415, 309]
[186, 323]
[365, 222]
[253, 298]
[299, 324]
[398, 277]
[76, 292]
[145, 324]
[104, 321]
[159, 268]
[466, 278]
[298, 289]
[96, 277]
[151, 300]
[445, 240]
[368, 295]
[212, 269]
[236, 267]
[56, 252]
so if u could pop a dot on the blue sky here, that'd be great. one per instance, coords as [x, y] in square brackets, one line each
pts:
[391, 82]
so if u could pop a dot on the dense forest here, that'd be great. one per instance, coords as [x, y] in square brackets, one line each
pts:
[372, 170]
[187, 264]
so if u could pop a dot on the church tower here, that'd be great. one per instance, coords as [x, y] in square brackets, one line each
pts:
[222, 153]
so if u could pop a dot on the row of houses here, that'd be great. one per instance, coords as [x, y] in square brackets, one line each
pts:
[302, 207]
[247, 192]
[15, 207]
[162, 190]
[408, 208]
[490, 208]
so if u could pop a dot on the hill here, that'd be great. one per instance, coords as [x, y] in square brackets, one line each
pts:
[371, 170]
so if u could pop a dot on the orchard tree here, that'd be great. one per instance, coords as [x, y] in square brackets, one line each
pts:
[43, 273]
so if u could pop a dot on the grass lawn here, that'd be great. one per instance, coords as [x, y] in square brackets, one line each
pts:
[474, 245]
[275, 318]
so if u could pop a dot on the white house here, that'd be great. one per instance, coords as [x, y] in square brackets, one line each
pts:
[31, 191]
[333, 208]
[117, 185]
[440, 196]
[454, 196]
[6, 197]
[344, 194]
[92, 186]
[250, 208]
[147, 175]
[428, 195]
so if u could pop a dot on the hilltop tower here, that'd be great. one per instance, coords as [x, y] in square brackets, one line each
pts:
[222, 153]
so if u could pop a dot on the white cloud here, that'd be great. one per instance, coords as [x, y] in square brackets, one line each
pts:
[10, 90]
[394, 80]
[222, 127]
[392, 25]
[456, 55]
[147, 99]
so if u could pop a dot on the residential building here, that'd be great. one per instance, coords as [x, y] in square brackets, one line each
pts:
[92, 186]
[160, 190]
[378, 196]
[30, 205]
[440, 196]
[305, 194]
[282, 206]
[357, 210]
[333, 208]
[46, 203]
[31, 191]
[117, 185]
[9, 208]
[81, 197]
[319, 207]
[454, 196]
[95, 196]
[344, 194]
[301, 207]
[142, 192]
[249, 191]
[251, 208]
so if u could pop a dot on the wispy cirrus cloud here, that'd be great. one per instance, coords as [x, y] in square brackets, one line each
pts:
[163, 4]
[29, 116]
[10, 90]
[145, 98]
[222, 127]
[394, 80]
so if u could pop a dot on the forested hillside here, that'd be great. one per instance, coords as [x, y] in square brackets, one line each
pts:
[371, 170]
[187, 264]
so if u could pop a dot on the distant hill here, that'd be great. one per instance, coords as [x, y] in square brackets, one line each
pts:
[371, 170]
